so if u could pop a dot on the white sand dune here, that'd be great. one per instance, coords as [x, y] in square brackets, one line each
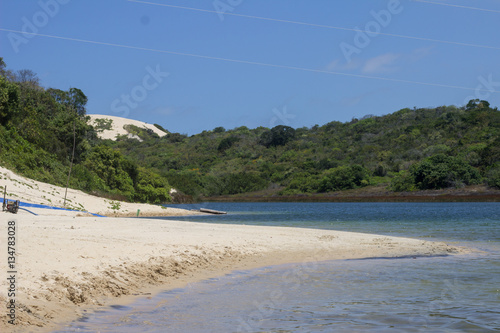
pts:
[117, 126]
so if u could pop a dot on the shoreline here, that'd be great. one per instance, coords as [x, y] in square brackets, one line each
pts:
[70, 266]
[81, 204]
[379, 193]
[389, 198]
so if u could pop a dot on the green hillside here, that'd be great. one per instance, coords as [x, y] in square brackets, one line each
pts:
[411, 149]
[408, 150]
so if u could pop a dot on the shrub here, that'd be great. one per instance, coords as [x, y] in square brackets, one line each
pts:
[302, 182]
[151, 187]
[242, 182]
[278, 136]
[227, 143]
[493, 176]
[161, 128]
[110, 165]
[233, 183]
[344, 178]
[219, 129]
[175, 137]
[102, 124]
[441, 171]
[188, 182]
[403, 181]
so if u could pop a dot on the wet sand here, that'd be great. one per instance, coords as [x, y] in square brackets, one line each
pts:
[70, 265]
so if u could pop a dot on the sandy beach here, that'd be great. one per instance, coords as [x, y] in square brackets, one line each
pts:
[32, 191]
[69, 263]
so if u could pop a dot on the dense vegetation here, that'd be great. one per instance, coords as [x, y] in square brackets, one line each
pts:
[411, 149]
[39, 129]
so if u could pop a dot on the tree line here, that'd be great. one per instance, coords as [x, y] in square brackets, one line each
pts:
[408, 150]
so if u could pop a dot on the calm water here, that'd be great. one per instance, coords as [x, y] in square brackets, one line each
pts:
[442, 294]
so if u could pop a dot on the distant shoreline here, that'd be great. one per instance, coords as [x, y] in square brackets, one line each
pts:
[316, 198]
[476, 193]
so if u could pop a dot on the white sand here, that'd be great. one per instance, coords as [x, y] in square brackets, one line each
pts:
[67, 264]
[32, 191]
[117, 126]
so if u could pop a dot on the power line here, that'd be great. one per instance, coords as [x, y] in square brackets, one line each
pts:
[457, 6]
[247, 62]
[319, 25]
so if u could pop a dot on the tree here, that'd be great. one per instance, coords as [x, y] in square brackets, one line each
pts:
[278, 136]
[219, 129]
[109, 165]
[493, 176]
[441, 171]
[59, 95]
[175, 137]
[6, 73]
[77, 100]
[151, 187]
[74, 98]
[344, 178]
[403, 181]
[227, 143]
[490, 155]
[2, 66]
[9, 100]
[266, 138]
[282, 135]
[477, 104]
[27, 77]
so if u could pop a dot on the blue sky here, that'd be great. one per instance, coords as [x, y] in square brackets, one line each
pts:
[304, 64]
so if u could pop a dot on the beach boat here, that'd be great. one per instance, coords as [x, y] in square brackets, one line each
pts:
[211, 211]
